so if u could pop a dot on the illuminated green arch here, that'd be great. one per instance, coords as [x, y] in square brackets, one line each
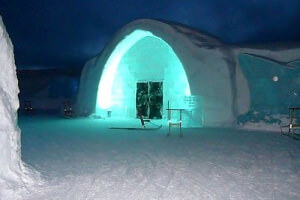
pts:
[107, 91]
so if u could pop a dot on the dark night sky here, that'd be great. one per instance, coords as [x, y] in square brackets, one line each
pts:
[65, 33]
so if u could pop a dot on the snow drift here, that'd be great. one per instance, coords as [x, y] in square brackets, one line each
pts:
[227, 83]
[12, 170]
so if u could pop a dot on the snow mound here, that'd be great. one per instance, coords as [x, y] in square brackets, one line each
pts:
[266, 123]
[13, 174]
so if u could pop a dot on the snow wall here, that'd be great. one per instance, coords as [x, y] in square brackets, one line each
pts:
[12, 171]
[219, 75]
[273, 76]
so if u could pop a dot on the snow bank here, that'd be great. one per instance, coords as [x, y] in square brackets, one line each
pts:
[263, 122]
[13, 174]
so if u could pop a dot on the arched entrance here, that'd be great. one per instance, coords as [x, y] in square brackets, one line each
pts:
[140, 58]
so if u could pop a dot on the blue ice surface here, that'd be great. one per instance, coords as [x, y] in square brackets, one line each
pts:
[268, 96]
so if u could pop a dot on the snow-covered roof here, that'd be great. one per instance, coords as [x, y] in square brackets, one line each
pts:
[278, 52]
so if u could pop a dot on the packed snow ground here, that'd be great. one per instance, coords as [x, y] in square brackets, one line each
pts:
[84, 159]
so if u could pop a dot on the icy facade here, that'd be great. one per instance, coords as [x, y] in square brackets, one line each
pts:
[274, 87]
[225, 82]
[119, 92]
[274, 81]
[12, 171]
[192, 73]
